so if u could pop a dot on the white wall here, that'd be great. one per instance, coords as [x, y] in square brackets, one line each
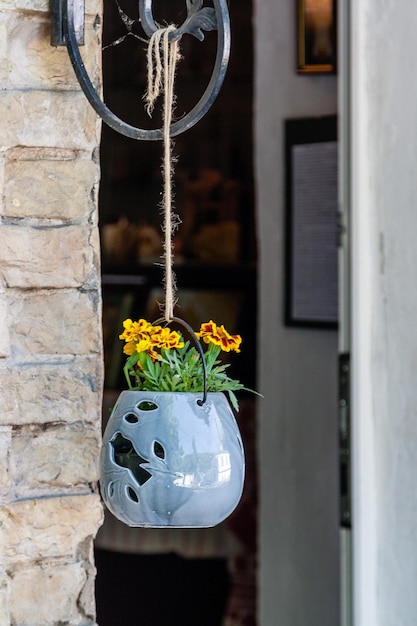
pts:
[384, 186]
[297, 446]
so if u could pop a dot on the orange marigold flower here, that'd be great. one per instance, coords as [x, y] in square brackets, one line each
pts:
[155, 356]
[218, 335]
[208, 332]
[228, 342]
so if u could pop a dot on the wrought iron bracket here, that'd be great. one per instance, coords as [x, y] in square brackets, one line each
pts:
[77, 9]
[68, 29]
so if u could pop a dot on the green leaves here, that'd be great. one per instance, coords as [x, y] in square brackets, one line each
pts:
[180, 369]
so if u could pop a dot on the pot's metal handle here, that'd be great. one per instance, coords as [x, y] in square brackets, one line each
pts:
[198, 19]
[185, 325]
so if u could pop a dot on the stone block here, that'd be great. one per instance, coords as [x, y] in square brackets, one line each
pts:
[45, 257]
[49, 183]
[5, 444]
[24, 5]
[52, 118]
[4, 330]
[32, 62]
[92, 7]
[8, 403]
[48, 528]
[53, 460]
[4, 599]
[47, 322]
[2, 162]
[4, 65]
[86, 601]
[45, 393]
[46, 594]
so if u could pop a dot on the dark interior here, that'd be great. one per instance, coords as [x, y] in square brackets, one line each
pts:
[215, 265]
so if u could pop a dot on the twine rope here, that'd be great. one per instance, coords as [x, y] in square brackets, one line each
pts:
[162, 58]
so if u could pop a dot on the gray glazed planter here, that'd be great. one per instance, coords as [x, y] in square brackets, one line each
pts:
[167, 461]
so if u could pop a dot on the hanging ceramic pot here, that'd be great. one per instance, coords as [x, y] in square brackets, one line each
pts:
[171, 459]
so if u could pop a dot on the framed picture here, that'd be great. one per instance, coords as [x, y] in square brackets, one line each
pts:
[311, 228]
[316, 36]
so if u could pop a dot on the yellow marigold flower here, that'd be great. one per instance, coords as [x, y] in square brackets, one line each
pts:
[154, 330]
[143, 345]
[129, 348]
[135, 331]
[146, 345]
[128, 330]
[167, 339]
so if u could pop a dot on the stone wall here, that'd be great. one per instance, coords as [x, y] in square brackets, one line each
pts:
[50, 321]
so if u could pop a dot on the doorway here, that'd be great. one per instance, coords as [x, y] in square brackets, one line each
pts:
[206, 576]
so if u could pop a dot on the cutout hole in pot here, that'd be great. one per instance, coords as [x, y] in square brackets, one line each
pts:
[147, 405]
[125, 455]
[110, 489]
[131, 418]
[158, 450]
[132, 494]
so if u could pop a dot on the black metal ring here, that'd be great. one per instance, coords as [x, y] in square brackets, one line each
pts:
[191, 118]
[181, 322]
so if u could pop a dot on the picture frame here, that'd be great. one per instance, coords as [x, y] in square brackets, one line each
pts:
[316, 36]
[311, 222]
